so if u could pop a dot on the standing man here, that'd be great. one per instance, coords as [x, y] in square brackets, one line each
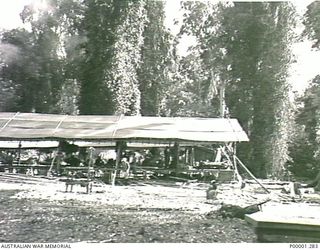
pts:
[125, 168]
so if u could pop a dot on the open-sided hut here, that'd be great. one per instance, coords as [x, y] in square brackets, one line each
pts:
[27, 130]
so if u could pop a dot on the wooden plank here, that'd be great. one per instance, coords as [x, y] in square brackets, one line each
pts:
[286, 236]
[296, 223]
[277, 228]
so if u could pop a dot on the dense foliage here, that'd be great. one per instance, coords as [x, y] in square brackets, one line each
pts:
[248, 51]
[305, 151]
[118, 57]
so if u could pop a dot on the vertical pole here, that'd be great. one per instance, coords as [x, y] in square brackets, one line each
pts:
[166, 157]
[90, 168]
[59, 156]
[118, 158]
[90, 165]
[234, 155]
[175, 160]
[222, 100]
[49, 173]
[187, 158]
[19, 153]
[192, 157]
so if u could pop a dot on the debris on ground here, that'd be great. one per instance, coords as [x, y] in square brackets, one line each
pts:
[36, 209]
[40, 220]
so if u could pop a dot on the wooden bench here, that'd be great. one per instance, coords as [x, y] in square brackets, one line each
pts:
[84, 180]
[87, 183]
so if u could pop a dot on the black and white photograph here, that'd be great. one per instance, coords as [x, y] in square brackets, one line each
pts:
[159, 121]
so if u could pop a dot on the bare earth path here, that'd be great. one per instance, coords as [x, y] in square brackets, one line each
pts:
[38, 210]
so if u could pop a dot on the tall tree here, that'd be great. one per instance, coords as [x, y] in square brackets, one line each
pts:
[305, 150]
[192, 91]
[246, 47]
[40, 70]
[155, 59]
[312, 23]
[101, 19]
[19, 70]
[8, 95]
[49, 73]
[123, 74]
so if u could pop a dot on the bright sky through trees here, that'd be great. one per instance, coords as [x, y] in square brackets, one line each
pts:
[305, 68]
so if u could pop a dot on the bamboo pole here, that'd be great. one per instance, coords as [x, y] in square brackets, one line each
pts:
[248, 171]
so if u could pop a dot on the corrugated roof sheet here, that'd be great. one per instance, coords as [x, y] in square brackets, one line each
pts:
[32, 126]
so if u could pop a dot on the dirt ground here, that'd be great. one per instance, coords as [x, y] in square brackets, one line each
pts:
[39, 210]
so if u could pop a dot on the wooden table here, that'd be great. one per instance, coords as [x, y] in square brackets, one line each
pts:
[285, 227]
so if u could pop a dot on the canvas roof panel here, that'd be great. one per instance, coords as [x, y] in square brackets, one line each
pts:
[93, 127]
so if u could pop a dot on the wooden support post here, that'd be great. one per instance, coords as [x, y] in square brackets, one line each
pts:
[234, 153]
[222, 100]
[166, 157]
[175, 160]
[90, 163]
[118, 158]
[189, 156]
[59, 156]
[49, 173]
[55, 157]
[90, 166]
[192, 162]
[19, 153]
[186, 160]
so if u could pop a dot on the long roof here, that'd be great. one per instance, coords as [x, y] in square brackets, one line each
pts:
[34, 126]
